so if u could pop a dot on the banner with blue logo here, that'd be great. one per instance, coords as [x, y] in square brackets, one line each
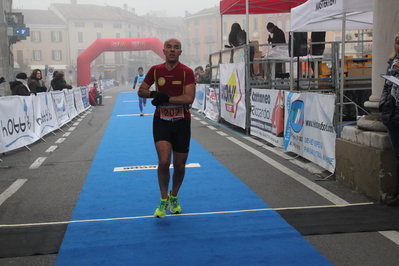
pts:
[199, 100]
[45, 116]
[212, 104]
[308, 128]
[17, 122]
[232, 93]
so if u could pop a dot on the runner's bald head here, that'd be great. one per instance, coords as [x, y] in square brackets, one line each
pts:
[172, 40]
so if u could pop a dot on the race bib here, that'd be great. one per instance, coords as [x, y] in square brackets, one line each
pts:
[172, 112]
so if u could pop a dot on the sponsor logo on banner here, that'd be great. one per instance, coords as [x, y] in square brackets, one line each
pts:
[325, 3]
[309, 130]
[118, 44]
[232, 94]
[138, 44]
[267, 115]
[17, 129]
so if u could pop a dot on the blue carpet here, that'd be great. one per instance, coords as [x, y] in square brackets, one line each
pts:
[208, 232]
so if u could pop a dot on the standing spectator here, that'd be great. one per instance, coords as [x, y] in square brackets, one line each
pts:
[123, 79]
[136, 85]
[52, 80]
[207, 74]
[389, 107]
[198, 73]
[20, 85]
[238, 37]
[175, 91]
[59, 82]
[277, 37]
[95, 96]
[36, 83]
[100, 82]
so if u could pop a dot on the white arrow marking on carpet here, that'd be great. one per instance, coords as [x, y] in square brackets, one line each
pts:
[149, 167]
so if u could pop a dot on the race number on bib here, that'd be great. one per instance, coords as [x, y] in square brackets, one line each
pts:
[172, 112]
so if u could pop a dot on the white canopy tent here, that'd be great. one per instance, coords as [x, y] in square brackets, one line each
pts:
[333, 15]
[328, 15]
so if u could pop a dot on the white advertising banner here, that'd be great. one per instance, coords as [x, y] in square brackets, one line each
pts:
[267, 115]
[309, 130]
[45, 117]
[60, 107]
[232, 93]
[78, 100]
[16, 122]
[212, 104]
[199, 101]
[70, 103]
[85, 96]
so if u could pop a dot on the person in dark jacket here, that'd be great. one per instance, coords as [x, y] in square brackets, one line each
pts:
[278, 37]
[389, 107]
[36, 83]
[238, 37]
[20, 85]
[59, 83]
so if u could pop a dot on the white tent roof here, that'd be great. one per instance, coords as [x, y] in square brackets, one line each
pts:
[326, 15]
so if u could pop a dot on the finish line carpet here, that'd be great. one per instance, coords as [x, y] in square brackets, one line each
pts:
[212, 230]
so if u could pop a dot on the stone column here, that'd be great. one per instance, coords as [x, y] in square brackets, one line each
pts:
[386, 26]
[365, 160]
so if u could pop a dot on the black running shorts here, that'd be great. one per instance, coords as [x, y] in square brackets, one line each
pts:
[177, 133]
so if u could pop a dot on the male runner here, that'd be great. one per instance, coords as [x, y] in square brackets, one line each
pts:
[175, 91]
[137, 81]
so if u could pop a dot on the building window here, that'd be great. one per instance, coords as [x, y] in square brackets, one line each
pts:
[37, 55]
[117, 26]
[98, 34]
[117, 35]
[80, 37]
[80, 51]
[210, 49]
[57, 56]
[35, 36]
[98, 25]
[56, 36]
[79, 24]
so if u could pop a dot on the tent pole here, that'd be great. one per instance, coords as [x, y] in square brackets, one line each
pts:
[292, 61]
[341, 93]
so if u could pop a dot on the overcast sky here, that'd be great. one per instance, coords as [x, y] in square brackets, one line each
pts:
[168, 7]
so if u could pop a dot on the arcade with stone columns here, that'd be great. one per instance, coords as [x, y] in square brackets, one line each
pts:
[365, 160]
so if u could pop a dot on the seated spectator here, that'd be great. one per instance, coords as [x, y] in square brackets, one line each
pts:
[20, 85]
[95, 96]
[36, 83]
[59, 83]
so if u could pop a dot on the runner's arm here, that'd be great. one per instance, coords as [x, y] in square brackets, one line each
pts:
[187, 98]
[144, 90]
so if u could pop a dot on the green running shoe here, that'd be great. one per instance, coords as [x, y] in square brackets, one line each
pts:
[160, 212]
[174, 204]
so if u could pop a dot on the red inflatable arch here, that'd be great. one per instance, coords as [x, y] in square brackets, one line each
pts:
[109, 45]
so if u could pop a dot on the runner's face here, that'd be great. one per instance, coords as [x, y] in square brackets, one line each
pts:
[397, 45]
[172, 50]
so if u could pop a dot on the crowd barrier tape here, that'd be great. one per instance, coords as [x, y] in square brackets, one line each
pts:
[26, 119]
